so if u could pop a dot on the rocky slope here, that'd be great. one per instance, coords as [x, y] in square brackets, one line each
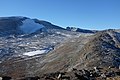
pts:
[50, 49]
[22, 36]
[101, 50]
[88, 51]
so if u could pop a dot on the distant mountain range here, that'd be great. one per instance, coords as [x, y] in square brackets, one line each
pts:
[31, 47]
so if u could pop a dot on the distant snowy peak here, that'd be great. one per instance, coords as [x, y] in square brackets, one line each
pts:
[29, 26]
[18, 25]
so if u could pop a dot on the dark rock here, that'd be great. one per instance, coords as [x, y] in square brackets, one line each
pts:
[6, 78]
[31, 78]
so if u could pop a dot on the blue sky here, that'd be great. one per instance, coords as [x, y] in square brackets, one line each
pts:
[87, 14]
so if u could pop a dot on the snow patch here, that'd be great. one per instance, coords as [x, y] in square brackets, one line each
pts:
[29, 26]
[32, 53]
[67, 35]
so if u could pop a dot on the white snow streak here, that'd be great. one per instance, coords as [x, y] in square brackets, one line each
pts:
[29, 26]
[32, 53]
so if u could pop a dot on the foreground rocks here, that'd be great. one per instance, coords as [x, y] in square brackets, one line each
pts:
[93, 74]
[84, 74]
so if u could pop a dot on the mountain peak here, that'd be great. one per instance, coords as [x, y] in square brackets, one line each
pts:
[16, 25]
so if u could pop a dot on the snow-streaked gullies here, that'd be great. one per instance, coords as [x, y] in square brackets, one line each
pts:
[29, 26]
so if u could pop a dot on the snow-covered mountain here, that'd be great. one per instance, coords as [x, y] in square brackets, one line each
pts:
[22, 25]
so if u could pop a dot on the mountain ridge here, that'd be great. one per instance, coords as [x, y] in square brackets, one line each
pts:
[22, 35]
[52, 48]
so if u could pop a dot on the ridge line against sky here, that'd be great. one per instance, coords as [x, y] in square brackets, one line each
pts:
[87, 14]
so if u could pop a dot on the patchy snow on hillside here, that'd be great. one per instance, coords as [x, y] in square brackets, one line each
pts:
[67, 35]
[32, 53]
[29, 26]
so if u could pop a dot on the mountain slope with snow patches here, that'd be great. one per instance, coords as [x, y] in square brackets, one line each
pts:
[22, 36]
[29, 26]
[30, 47]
